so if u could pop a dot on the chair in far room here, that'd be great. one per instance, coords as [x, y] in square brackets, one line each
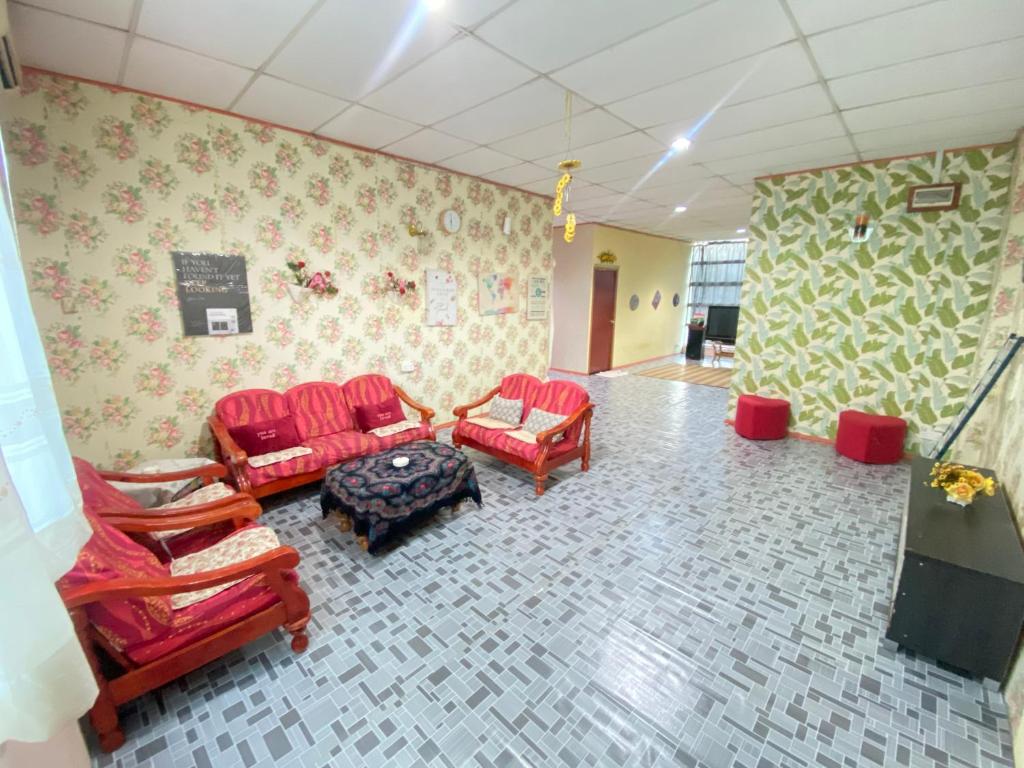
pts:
[143, 623]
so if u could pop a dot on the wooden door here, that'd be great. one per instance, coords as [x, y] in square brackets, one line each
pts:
[602, 319]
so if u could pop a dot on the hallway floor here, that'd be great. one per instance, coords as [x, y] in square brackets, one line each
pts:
[694, 600]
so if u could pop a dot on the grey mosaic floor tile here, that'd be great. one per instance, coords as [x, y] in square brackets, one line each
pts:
[694, 600]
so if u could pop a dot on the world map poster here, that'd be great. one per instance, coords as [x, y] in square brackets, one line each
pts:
[497, 294]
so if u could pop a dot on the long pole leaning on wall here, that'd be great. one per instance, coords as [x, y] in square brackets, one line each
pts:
[990, 378]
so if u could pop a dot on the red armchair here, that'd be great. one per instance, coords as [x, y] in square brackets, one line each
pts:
[155, 622]
[565, 442]
[193, 528]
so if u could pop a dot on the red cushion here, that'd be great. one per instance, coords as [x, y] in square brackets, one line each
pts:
[520, 386]
[251, 405]
[368, 388]
[380, 414]
[296, 466]
[342, 446]
[319, 408]
[870, 438]
[97, 492]
[110, 554]
[482, 435]
[529, 451]
[265, 436]
[761, 418]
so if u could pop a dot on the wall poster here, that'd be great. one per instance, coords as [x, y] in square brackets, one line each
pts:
[442, 298]
[538, 289]
[213, 293]
[497, 294]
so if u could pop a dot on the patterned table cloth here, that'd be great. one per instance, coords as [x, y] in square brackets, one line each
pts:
[382, 499]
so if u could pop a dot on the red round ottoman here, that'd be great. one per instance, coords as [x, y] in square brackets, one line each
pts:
[870, 438]
[761, 418]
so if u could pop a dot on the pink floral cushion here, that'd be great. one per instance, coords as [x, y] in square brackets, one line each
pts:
[319, 408]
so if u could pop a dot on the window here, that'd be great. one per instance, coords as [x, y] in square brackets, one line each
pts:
[716, 275]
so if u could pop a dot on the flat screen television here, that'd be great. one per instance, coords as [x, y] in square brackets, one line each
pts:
[721, 324]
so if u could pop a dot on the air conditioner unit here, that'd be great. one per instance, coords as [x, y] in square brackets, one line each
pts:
[10, 69]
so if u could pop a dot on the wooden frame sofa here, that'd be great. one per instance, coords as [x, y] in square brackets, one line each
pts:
[563, 443]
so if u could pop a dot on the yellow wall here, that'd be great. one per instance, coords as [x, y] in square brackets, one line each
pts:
[646, 264]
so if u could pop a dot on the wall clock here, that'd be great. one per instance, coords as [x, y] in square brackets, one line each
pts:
[451, 221]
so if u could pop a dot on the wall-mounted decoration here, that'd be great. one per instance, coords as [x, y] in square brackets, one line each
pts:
[506, 225]
[442, 298]
[306, 283]
[497, 294]
[213, 293]
[538, 289]
[634, 302]
[396, 287]
[675, 299]
[934, 197]
[656, 301]
[416, 231]
[451, 221]
[606, 257]
[861, 229]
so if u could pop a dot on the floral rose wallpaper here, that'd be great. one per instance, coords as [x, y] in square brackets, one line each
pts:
[107, 183]
[888, 326]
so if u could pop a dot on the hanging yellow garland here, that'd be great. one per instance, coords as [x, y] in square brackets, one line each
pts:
[565, 181]
[559, 191]
[570, 227]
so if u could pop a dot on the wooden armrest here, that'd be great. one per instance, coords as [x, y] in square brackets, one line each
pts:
[206, 471]
[268, 563]
[228, 447]
[461, 411]
[426, 414]
[549, 434]
[148, 521]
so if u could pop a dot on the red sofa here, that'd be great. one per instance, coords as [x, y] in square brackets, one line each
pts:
[559, 445]
[324, 421]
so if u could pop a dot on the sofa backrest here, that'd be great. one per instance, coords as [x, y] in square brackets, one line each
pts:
[368, 389]
[110, 554]
[97, 492]
[319, 408]
[562, 397]
[520, 386]
[251, 406]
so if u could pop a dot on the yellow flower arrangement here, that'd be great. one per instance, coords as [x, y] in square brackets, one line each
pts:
[960, 483]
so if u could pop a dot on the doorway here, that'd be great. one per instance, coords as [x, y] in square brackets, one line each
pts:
[602, 319]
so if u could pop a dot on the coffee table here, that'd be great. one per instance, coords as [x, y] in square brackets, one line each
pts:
[378, 499]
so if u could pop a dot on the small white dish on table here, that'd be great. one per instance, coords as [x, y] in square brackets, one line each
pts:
[400, 461]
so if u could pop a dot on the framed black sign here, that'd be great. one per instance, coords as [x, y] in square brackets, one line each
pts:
[213, 293]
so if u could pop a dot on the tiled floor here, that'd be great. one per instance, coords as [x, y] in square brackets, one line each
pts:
[694, 600]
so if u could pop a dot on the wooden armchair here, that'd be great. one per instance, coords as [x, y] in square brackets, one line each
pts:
[139, 621]
[186, 534]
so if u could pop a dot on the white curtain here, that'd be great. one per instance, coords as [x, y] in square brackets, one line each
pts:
[45, 680]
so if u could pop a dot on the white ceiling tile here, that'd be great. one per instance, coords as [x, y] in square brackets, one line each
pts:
[791, 106]
[469, 13]
[767, 139]
[479, 161]
[279, 102]
[937, 106]
[113, 13]
[535, 104]
[607, 152]
[428, 146]
[546, 35]
[61, 44]
[817, 15]
[714, 34]
[762, 74]
[952, 142]
[786, 159]
[916, 32]
[367, 127]
[947, 71]
[943, 134]
[587, 128]
[520, 174]
[462, 75]
[349, 47]
[184, 75]
[243, 32]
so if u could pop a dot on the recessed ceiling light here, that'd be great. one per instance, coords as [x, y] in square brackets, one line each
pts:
[680, 208]
[740, 231]
[681, 144]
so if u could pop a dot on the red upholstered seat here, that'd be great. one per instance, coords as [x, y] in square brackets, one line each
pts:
[97, 492]
[870, 438]
[482, 435]
[530, 451]
[520, 386]
[251, 406]
[761, 418]
[421, 432]
[562, 397]
[341, 446]
[319, 408]
[368, 389]
[262, 475]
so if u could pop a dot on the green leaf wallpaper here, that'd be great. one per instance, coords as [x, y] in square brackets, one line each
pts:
[106, 183]
[887, 326]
